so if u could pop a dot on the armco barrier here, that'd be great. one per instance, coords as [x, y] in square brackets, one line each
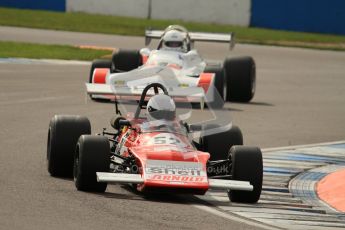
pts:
[55, 5]
[300, 15]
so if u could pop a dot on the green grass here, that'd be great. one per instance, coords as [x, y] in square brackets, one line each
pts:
[134, 26]
[30, 50]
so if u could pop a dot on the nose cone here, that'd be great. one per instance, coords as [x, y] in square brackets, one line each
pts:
[171, 169]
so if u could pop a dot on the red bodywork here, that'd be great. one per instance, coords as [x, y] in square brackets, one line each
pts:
[145, 149]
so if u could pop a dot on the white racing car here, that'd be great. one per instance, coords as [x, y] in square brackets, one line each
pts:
[177, 66]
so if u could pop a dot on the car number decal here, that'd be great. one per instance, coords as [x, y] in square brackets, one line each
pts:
[166, 139]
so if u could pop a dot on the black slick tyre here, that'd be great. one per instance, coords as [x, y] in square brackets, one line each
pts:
[63, 134]
[246, 166]
[92, 155]
[240, 78]
[99, 63]
[125, 60]
[218, 142]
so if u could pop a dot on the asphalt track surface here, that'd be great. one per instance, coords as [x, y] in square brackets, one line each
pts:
[300, 99]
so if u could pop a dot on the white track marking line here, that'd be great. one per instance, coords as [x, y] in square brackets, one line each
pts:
[232, 217]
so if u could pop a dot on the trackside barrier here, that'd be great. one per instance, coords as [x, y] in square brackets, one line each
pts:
[318, 16]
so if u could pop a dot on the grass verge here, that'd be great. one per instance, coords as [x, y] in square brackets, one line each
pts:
[83, 22]
[38, 51]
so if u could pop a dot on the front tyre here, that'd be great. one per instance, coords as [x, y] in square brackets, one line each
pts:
[99, 63]
[63, 134]
[246, 166]
[240, 78]
[92, 155]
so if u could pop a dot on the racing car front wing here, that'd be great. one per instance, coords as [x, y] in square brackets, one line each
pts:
[125, 178]
[192, 94]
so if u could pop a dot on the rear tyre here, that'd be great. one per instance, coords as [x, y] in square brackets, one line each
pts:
[218, 95]
[63, 135]
[126, 60]
[246, 166]
[99, 63]
[240, 78]
[218, 144]
[92, 155]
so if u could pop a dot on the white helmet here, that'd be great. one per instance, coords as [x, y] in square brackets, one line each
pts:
[161, 107]
[174, 40]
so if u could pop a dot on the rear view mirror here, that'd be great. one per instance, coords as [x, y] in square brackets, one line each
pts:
[195, 128]
[124, 123]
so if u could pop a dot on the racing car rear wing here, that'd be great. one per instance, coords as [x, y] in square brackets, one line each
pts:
[195, 36]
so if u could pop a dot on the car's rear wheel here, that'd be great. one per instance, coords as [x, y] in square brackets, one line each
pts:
[99, 63]
[92, 155]
[246, 166]
[218, 142]
[63, 135]
[126, 60]
[240, 78]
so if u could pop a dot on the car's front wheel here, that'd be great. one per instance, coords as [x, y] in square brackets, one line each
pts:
[92, 155]
[99, 63]
[246, 165]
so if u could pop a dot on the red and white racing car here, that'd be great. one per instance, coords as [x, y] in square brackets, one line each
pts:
[151, 149]
[233, 80]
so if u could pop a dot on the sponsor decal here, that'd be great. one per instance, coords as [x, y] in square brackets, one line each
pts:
[119, 83]
[183, 85]
[175, 172]
[172, 178]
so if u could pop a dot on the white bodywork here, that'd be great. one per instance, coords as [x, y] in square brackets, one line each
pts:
[170, 68]
[179, 72]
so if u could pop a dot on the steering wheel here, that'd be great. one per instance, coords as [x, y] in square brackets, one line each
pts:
[155, 86]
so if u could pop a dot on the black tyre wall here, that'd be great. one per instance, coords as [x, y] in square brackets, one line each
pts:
[126, 60]
[246, 166]
[63, 134]
[92, 155]
[240, 78]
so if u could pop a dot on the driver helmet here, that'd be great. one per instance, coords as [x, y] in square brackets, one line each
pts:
[174, 40]
[161, 107]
